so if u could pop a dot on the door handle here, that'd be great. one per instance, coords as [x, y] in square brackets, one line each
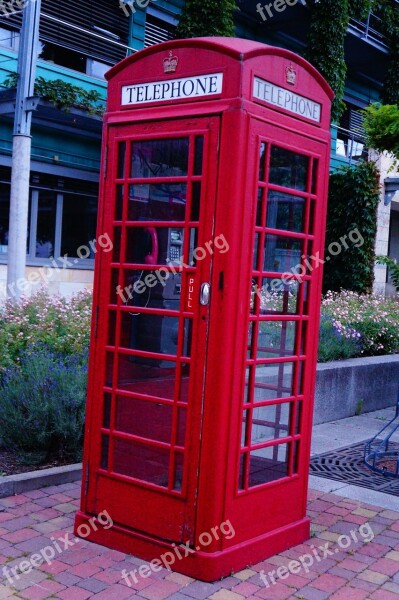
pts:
[205, 294]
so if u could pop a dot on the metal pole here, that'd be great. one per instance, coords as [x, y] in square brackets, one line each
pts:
[19, 201]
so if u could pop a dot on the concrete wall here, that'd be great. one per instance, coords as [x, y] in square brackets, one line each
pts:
[57, 281]
[345, 385]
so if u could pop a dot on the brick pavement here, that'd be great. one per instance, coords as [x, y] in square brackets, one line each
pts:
[361, 571]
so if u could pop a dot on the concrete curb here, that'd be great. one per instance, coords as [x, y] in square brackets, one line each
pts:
[26, 482]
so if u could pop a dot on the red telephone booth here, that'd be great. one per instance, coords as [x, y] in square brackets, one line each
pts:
[206, 312]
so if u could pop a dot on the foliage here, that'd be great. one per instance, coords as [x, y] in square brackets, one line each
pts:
[393, 268]
[206, 18]
[375, 318]
[352, 204]
[337, 342]
[325, 45]
[64, 95]
[388, 12]
[381, 124]
[42, 406]
[63, 324]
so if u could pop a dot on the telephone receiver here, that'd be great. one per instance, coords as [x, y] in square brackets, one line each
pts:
[152, 257]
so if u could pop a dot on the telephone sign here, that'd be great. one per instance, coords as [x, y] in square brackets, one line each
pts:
[202, 369]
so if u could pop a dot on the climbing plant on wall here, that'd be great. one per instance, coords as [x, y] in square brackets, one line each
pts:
[206, 18]
[329, 21]
[388, 11]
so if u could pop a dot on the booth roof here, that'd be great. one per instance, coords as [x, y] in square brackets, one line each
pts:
[238, 48]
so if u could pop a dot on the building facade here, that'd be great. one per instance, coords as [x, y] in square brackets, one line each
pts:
[79, 43]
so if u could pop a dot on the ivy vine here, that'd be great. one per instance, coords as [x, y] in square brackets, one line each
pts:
[206, 18]
[63, 95]
[388, 11]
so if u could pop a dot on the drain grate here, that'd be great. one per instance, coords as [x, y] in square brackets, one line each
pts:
[346, 464]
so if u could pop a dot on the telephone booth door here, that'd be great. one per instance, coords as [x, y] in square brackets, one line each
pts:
[149, 361]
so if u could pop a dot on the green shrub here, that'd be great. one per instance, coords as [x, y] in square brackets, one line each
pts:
[337, 343]
[62, 324]
[42, 405]
[375, 318]
[352, 205]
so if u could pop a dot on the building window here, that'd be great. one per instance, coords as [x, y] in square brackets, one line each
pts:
[61, 222]
[9, 38]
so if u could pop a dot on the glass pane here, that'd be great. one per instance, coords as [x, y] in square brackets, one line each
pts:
[268, 464]
[262, 158]
[147, 463]
[148, 376]
[276, 338]
[45, 233]
[315, 175]
[118, 202]
[178, 479]
[104, 451]
[259, 207]
[154, 245]
[114, 287]
[247, 388]
[79, 222]
[188, 336]
[109, 368]
[149, 333]
[285, 211]
[107, 410]
[241, 476]
[157, 202]
[150, 289]
[198, 154]
[121, 160]
[288, 169]
[298, 418]
[160, 158]
[282, 254]
[4, 216]
[270, 423]
[184, 382]
[111, 328]
[257, 251]
[245, 426]
[181, 427]
[145, 419]
[251, 334]
[279, 297]
[195, 201]
[117, 241]
[273, 381]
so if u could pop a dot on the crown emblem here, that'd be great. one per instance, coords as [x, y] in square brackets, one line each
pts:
[291, 75]
[170, 63]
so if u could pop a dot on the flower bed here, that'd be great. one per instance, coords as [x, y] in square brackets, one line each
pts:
[369, 323]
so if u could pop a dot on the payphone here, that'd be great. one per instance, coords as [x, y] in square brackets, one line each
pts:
[202, 364]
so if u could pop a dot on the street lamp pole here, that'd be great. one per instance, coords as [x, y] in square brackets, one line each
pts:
[21, 151]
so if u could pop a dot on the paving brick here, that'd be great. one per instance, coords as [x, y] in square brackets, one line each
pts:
[114, 592]
[386, 566]
[311, 593]
[199, 590]
[244, 574]
[383, 595]
[74, 593]
[328, 583]
[92, 585]
[46, 589]
[226, 595]
[162, 589]
[373, 577]
[349, 593]
[246, 589]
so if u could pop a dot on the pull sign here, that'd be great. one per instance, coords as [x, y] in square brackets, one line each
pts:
[205, 294]
[190, 292]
